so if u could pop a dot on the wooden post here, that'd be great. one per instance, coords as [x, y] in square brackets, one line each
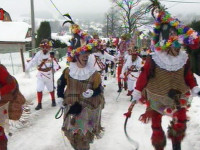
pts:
[22, 58]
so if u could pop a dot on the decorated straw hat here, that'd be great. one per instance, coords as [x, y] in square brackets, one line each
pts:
[186, 36]
[81, 41]
[45, 43]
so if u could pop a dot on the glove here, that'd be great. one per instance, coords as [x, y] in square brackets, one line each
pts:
[88, 93]
[122, 76]
[60, 102]
[196, 91]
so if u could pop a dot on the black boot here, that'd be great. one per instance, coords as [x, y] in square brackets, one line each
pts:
[176, 146]
[131, 98]
[112, 72]
[105, 78]
[39, 106]
[120, 87]
[53, 104]
[125, 86]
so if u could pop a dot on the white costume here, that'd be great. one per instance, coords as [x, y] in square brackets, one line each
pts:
[45, 73]
[99, 62]
[132, 70]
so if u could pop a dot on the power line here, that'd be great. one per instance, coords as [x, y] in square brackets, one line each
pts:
[172, 6]
[180, 1]
[56, 8]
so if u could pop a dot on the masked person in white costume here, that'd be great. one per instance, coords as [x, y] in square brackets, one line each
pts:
[46, 66]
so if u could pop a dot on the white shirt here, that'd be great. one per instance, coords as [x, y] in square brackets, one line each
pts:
[37, 60]
[102, 59]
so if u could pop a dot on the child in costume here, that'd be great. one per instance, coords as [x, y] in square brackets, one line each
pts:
[166, 79]
[83, 98]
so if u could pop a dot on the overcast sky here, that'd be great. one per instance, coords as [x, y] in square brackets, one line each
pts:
[18, 8]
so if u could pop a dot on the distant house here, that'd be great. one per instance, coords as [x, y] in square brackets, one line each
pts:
[14, 36]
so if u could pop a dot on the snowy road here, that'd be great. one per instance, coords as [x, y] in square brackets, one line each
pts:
[44, 132]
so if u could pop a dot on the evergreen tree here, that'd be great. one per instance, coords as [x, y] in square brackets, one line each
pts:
[44, 32]
[195, 25]
[58, 44]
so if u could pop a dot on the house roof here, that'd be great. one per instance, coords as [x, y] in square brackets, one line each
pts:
[14, 32]
[65, 38]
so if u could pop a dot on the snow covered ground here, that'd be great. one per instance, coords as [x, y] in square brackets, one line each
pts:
[43, 131]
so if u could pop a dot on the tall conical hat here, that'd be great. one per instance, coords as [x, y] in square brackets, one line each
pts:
[186, 36]
[81, 42]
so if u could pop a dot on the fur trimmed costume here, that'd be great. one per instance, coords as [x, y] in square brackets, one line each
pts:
[166, 80]
[157, 81]
[11, 101]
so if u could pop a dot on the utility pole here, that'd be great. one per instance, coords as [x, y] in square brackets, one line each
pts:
[107, 24]
[33, 24]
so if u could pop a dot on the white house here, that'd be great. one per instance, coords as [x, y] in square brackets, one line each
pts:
[14, 36]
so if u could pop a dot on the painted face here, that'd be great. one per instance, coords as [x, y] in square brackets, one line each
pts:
[82, 60]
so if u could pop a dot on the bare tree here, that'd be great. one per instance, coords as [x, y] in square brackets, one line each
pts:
[112, 22]
[131, 13]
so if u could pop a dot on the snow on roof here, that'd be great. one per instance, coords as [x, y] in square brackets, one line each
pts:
[65, 38]
[14, 32]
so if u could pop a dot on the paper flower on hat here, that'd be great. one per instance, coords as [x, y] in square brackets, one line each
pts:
[81, 41]
[46, 44]
[185, 36]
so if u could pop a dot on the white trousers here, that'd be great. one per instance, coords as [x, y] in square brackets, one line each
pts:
[44, 81]
[131, 84]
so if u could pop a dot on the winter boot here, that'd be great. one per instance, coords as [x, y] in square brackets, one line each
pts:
[120, 87]
[125, 85]
[53, 104]
[176, 146]
[131, 98]
[39, 106]
[112, 72]
[105, 78]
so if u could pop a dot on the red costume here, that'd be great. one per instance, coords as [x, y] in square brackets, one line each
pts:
[11, 101]
[6, 86]
[122, 51]
[166, 80]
